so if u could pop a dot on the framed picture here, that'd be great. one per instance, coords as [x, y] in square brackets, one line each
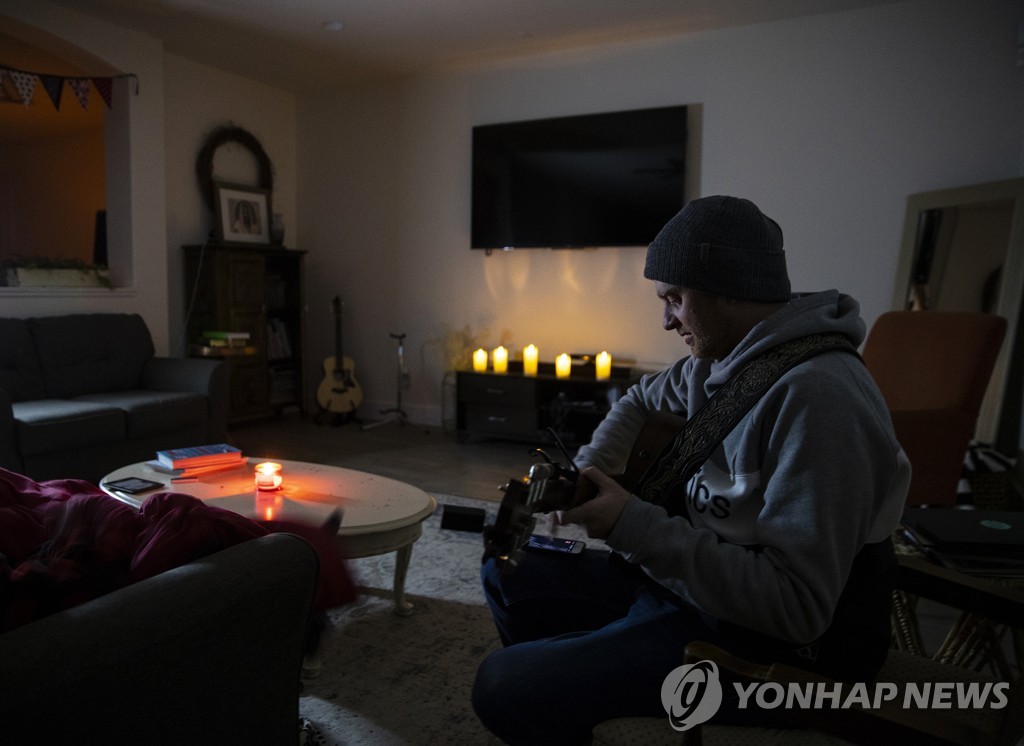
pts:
[243, 214]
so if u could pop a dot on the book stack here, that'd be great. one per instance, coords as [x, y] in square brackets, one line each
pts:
[227, 343]
[196, 460]
[225, 339]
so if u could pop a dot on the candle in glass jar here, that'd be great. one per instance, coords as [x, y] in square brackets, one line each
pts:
[499, 358]
[563, 365]
[530, 360]
[603, 365]
[268, 476]
[480, 361]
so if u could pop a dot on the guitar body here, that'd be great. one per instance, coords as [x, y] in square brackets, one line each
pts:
[339, 393]
[551, 487]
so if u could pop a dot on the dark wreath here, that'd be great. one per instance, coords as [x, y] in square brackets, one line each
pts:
[222, 136]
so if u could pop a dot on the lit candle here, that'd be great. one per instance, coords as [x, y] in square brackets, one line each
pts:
[563, 364]
[530, 360]
[268, 476]
[480, 361]
[500, 359]
[603, 364]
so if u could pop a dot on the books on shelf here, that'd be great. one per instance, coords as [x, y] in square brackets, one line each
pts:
[225, 339]
[195, 456]
[278, 345]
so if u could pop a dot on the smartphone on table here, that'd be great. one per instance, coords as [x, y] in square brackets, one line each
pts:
[555, 544]
[133, 485]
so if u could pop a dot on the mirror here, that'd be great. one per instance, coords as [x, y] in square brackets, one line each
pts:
[963, 250]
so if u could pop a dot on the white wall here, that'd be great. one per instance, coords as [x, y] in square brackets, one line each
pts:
[200, 99]
[144, 231]
[179, 103]
[828, 123]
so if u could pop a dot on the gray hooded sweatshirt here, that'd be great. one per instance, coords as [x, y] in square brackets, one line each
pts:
[778, 514]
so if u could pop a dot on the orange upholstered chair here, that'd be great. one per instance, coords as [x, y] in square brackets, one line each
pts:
[933, 368]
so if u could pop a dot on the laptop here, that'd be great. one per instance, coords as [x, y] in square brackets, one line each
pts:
[977, 541]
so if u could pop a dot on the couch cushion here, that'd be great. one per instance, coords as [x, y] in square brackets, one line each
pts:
[151, 412]
[86, 353]
[20, 375]
[49, 425]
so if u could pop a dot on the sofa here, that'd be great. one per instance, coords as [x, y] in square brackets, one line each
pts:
[176, 623]
[83, 394]
[207, 653]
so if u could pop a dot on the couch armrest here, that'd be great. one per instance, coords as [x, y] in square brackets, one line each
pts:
[9, 457]
[210, 652]
[211, 378]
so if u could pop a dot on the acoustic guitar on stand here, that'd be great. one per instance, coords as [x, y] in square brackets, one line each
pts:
[339, 393]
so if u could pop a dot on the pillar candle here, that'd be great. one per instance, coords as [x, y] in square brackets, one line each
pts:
[603, 364]
[563, 364]
[530, 360]
[480, 361]
[500, 360]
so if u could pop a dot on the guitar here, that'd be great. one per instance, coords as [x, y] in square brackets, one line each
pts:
[552, 486]
[339, 392]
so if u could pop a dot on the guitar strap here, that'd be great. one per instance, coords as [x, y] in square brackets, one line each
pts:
[704, 431]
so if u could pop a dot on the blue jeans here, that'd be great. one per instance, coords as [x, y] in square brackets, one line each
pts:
[586, 640]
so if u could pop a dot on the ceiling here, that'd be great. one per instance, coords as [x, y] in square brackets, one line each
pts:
[285, 43]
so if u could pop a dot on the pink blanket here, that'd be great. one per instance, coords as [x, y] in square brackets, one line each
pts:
[64, 542]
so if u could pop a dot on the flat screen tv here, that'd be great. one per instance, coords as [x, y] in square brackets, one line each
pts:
[611, 179]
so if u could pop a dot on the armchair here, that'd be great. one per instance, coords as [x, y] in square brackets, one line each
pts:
[888, 723]
[933, 368]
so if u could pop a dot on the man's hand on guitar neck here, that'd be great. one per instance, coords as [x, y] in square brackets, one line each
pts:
[600, 513]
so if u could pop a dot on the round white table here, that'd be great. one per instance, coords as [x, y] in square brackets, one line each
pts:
[379, 515]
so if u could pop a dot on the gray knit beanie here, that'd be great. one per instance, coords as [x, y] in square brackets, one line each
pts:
[724, 246]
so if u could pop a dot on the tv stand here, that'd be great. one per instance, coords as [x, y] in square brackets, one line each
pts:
[513, 406]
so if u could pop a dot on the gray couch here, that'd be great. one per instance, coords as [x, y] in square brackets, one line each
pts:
[207, 653]
[83, 394]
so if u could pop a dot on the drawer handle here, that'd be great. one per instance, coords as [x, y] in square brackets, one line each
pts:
[495, 418]
[499, 392]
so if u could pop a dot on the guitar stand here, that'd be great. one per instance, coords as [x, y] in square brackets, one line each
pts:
[397, 413]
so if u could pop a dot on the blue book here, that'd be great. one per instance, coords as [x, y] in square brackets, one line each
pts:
[217, 453]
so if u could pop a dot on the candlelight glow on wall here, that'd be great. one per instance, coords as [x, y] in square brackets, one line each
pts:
[480, 361]
[603, 364]
[500, 360]
[563, 365]
[530, 354]
[268, 476]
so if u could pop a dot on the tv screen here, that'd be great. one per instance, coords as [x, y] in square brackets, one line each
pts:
[593, 180]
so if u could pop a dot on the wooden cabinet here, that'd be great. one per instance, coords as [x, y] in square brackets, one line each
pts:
[517, 407]
[256, 292]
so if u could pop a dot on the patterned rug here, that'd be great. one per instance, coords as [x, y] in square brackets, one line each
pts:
[388, 680]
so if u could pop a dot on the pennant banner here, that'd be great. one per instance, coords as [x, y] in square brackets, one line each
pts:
[80, 87]
[25, 83]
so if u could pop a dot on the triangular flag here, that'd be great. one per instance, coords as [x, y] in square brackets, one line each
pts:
[25, 83]
[54, 86]
[80, 87]
[105, 88]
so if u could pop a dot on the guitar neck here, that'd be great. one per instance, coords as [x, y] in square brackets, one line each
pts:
[339, 353]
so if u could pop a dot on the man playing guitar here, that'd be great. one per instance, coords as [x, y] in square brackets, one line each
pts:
[762, 528]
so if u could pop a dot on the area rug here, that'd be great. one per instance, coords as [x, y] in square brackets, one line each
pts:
[386, 679]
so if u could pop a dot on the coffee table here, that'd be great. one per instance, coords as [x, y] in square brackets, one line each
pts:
[379, 515]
